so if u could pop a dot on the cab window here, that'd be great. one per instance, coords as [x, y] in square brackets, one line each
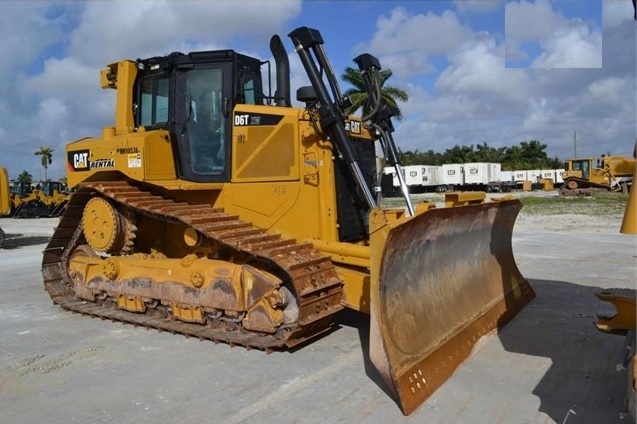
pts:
[205, 120]
[154, 100]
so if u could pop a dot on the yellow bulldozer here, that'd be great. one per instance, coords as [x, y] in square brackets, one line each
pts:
[583, 176]
[215, 209]
[5, 198]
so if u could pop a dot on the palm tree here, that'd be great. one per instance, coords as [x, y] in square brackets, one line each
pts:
[358, 95]
[25, 177]
[47, 158]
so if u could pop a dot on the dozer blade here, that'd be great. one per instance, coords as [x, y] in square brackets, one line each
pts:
[440, 281]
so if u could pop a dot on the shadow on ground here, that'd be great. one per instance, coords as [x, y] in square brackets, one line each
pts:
[15, 241]
[582, 378]
[559, 325]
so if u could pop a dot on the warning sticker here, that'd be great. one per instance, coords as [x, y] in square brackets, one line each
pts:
[134, 160]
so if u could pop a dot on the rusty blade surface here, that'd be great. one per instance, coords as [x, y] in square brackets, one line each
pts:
[447, 277]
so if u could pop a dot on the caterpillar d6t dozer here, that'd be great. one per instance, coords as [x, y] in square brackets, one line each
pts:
[214, 210]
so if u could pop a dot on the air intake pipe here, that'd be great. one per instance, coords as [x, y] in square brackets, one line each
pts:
[282, 93]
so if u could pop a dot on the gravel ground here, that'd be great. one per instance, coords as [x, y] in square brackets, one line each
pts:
[581, 219]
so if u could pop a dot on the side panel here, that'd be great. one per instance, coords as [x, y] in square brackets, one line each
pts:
[265, 144]
[282, 174]
[140, 156]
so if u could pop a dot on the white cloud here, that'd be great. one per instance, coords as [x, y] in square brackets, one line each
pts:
[477, 6]
[476, 99]
[426, 34]
[574, 47]
[406, 64]
[609, 90]
[565, 43]
[25, 33]
[477, 68]
[614, 12]
[145, 28]
[528, 21]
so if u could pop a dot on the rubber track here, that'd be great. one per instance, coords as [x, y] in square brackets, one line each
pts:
[318, 288]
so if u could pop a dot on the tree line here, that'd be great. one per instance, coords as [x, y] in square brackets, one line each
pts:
[526, 155]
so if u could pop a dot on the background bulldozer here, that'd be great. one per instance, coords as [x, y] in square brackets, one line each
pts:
[584, 175]
[214, 210]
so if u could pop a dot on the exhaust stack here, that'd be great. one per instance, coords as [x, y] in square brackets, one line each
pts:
[282, 93]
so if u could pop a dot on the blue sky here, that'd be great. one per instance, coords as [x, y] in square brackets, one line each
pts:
[477, 71]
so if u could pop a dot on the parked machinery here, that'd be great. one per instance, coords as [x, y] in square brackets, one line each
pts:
[209, 211]
[5, 198]
[25, 200]
[46, 199]
[623, 322]
[54, 194]
[586, 175]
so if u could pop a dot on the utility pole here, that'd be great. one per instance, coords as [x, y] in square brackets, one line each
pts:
[575, 144]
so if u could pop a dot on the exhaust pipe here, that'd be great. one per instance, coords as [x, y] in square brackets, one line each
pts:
[282, 93]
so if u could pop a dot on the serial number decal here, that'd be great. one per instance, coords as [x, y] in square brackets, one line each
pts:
[127, 150]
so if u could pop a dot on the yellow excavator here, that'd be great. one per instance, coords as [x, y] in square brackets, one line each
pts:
[216, 211]
[5, 198]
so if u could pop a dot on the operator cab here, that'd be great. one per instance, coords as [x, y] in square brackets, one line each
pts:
[21, 188]
[582, 165]
[192, 96]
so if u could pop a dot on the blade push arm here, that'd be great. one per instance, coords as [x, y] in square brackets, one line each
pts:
[379, 118]
[308, 43]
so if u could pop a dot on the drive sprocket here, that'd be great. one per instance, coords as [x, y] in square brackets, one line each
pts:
[106, 229]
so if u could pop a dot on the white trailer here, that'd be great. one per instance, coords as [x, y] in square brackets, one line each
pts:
[413, 175]
[431, 175]
[534, 175]
[481, 173]
[548, 173]
[519, 176]
[452, 174]
[505, 176]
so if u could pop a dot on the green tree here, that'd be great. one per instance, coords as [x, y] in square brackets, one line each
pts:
[533, 153]
[526, 155]
[459, 154]
[47, 158]
[486, 153]
[389, 95]
[513, 159]
[25, 177]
